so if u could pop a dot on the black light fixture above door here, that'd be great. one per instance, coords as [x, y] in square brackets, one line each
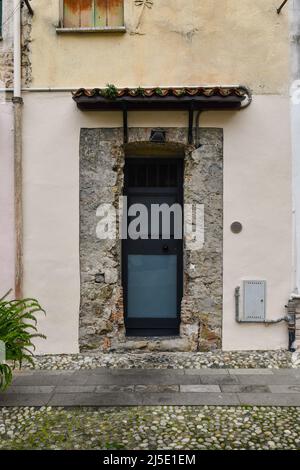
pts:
[158, 135]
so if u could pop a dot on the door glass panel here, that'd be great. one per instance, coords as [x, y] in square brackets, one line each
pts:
[152, 286]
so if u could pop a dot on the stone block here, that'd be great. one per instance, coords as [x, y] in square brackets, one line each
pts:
[200, 388]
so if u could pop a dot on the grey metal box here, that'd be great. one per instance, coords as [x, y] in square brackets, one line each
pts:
[254, 293]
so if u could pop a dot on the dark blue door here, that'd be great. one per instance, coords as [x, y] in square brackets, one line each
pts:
[152, 263]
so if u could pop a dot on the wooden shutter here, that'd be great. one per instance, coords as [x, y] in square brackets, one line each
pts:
[100, 13]
[109, 13]
[90, 13]
[78, 13]
[86, 13]
[115, 15]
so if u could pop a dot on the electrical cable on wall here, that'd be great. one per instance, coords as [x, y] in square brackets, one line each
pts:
[20, 4]
[11, 15]
[281, 6]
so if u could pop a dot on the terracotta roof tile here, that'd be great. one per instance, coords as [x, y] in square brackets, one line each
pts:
[176, 92]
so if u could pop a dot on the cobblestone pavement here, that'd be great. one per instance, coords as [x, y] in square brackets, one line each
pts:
[158, 427]
[156, 360]
[164, 427]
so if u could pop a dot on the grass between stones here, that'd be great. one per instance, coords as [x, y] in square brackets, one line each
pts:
[150, 428]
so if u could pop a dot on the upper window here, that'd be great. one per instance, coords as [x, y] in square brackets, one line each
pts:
[92, 13]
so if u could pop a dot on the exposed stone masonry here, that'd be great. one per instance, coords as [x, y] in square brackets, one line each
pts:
[202, 302]
[26, 48]
[101, 181]
[6, 55]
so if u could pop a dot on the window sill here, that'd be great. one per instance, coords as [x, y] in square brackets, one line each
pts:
[105, 29]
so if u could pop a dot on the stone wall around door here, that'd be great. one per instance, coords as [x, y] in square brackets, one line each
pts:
[101, 325]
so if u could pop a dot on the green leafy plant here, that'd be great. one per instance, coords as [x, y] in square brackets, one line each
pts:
[140, 91]
[17, 331]
[158, 91]
[110, 92]
[5, 376]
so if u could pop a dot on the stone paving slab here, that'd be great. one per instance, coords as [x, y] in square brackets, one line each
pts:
[37, 380]
[200, 388]
[250, 371]
[123, 379]
[96, 399]
[218, 379]
[207, 372]
[239, 388]
[118, 388]
[75, 389]
[30, 389]
[142, 399]
[191, 399]
[284, 388]
[293, 372]
[269, 399]
[24, 399]
[121, 387]
[156, 388]
[268, 379]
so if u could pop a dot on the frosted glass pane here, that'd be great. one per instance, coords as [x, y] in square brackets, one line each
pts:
[152, 286]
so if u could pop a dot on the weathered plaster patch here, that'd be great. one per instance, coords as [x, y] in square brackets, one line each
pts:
[101, 181]
[187, 32]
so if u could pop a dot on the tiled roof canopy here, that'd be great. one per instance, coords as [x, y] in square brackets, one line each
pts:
[163, 98]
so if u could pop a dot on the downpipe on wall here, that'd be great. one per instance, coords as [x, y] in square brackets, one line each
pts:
[244, 105]
[18, 173]
[290, 319]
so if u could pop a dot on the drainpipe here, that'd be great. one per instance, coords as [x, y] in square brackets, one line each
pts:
[244, 105]
[18, 102]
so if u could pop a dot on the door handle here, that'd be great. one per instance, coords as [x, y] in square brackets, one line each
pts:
[165, 248]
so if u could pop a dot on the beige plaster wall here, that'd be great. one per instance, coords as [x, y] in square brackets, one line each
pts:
[180, 42]
[257, 191]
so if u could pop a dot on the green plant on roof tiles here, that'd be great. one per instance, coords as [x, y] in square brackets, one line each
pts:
[110, 92]
[158, 91]
[140, 91]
